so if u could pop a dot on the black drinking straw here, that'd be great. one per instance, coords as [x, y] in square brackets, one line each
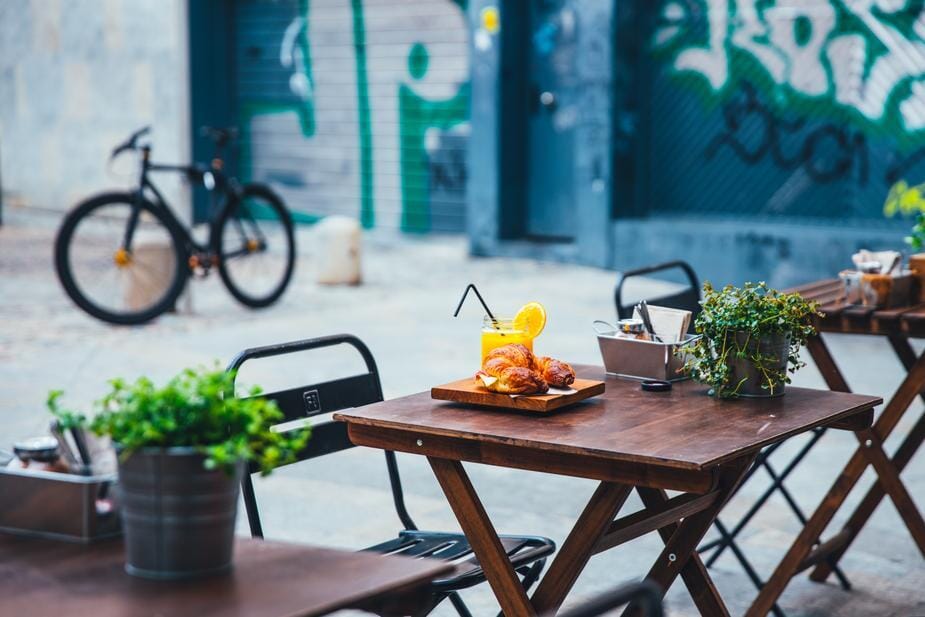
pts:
[479, 296]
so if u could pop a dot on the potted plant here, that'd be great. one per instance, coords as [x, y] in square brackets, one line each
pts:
[749, 339]
[182, 449]
[908, 200]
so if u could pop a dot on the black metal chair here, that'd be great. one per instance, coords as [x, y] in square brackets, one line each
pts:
[644, 596]
[527, 553]
[687, 299]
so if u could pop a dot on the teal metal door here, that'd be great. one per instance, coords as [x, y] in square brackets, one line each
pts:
[553, 118]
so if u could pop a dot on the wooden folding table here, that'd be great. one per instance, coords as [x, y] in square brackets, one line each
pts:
[45, 578]
[897, 325]
[681, 440]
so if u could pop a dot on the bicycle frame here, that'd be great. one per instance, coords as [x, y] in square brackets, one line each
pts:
[221, 184]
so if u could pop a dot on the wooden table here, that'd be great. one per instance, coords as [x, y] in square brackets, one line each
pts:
[40, 578]
[897, 326]
[681, 440]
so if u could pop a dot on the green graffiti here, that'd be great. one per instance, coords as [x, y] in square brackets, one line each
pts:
[367, 213]
[417, 115]
[861, 62]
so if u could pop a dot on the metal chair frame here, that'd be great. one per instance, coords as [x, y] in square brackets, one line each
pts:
[528, 553]
[687, 299]
[727, 536]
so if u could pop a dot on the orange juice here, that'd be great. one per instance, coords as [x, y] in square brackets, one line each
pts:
[502, 332]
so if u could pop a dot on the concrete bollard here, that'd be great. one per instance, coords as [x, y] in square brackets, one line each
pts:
[338, 251]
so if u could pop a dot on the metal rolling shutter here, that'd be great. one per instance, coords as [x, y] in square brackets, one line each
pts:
[356, 107]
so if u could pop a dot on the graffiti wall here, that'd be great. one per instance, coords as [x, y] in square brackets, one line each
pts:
[357, 107]
[796, 109]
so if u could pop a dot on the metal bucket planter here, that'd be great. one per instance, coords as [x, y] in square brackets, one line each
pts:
[775, 348]
[178, 517]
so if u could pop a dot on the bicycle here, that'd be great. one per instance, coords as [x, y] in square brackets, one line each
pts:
[125, 257]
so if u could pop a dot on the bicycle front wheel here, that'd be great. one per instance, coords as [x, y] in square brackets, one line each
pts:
[255, 244]
[115, 275]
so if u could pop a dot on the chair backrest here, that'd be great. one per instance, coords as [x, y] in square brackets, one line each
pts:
[315, 399]
[311, 400]
[687, 299]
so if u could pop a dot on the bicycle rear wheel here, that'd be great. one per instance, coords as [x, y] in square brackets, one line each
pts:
[255, 243]
[113, 282]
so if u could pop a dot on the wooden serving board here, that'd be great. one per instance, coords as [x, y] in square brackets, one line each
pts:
[471, 392]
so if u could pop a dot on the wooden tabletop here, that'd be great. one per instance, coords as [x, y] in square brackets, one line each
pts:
[839, 316]
[682, 429]
[40, 578]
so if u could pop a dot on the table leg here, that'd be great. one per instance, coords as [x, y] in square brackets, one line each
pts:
[826, 364]
[836, 496]
[680, 553]
[872, 499]
[888, 478]
[575, 552]
[694, 572]
[482, 537]
[913, 384]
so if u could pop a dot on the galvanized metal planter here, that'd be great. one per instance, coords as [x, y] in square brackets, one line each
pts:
[178, 517]
[775, 346]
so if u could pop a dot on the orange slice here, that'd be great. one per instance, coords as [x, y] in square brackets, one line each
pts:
[531, 318]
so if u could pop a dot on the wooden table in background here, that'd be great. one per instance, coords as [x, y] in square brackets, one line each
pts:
[43, 578]
[897, 326]
[627, 439]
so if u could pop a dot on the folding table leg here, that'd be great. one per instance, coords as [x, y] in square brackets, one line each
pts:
[905, 394]
[888, 478]
[694, 573]
[680, 553]
[776, 484]
[482, 537]
[799, 550]
[575, 552]
[871, 500]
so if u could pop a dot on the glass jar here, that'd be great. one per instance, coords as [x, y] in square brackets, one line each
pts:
[501, 331]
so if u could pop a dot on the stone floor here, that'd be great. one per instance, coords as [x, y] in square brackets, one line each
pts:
[403, 311]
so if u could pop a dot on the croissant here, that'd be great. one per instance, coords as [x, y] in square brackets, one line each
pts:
[517, 371]
[512, 367]
[557, 373]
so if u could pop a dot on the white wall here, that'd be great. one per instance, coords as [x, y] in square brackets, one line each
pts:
[76, 77]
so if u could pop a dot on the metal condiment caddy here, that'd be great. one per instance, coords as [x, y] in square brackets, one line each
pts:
[634, 358]
[59, 506]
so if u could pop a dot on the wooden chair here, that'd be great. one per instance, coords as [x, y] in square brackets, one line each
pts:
[527, 553]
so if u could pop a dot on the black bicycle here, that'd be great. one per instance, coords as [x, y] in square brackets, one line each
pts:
[124, 257]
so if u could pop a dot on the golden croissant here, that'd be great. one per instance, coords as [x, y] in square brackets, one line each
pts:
[517, 371]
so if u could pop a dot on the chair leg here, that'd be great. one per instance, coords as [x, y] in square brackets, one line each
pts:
[533, 574]
[459, 605]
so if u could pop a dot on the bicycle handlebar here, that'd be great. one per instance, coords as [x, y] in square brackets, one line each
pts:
[131, 143]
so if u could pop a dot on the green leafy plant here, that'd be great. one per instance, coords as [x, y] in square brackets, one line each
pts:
[908, 200]
[197, 409]
[752, 312]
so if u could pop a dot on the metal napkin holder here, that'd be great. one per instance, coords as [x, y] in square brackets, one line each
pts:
[638, 359]
[58, 506]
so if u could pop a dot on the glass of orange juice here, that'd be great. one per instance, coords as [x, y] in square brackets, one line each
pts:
[501, 331]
